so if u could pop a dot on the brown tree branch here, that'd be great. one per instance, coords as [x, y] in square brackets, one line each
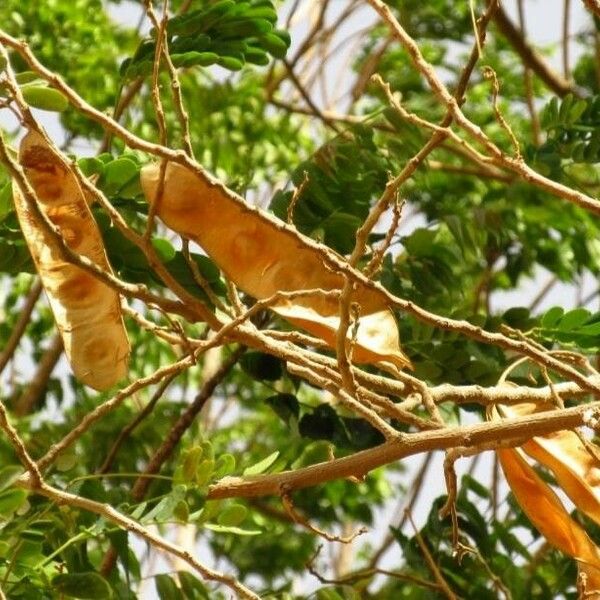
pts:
[530, 57]
[114, 516]
[30, 398]
[330, 258]
[21, 324]
[359, 464]
[593, 6]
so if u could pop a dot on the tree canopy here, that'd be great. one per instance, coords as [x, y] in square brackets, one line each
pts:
[262, 262]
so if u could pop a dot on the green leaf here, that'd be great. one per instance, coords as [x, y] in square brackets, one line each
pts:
[66, 461]
[190, 462]
[192, 587]
[590, 330]
[165, 508]
[182, 511]
[11, 500]
[316, 452]
[262, 466]
[205, 471]
[574, 319]
[274, 44]
[224, 465]
[166, 588]
[118, 173]
[262, 366]
[25, 77]
[420, 242]
[164, 249]
[552, 316]
[9, 474]
[190, 59]
[231, 63]
[91, 166]
[6, 202]
[44, 98]
[474, 485]
[285, 406]
[517, 317]
[232, 515]
[82, 585]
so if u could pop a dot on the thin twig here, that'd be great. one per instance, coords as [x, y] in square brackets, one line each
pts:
[290, 509]
[114, 516]
[295, 197]
[437, 575]
[128, 429]
[489, 73]
[34, 475]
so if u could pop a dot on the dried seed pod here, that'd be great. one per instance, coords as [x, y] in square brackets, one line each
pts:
[575, 465]
[575, 471]
[86, 310]
[545, 510]
[263, 256]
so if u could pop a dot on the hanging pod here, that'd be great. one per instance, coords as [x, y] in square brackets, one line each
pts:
[86, 310]
[575, 469]
[263, 256]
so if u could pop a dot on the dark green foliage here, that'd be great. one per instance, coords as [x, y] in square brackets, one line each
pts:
[572, 126]
[261, 366]
[323, 423]
[79, 34]
[225, 33]
[342, 177]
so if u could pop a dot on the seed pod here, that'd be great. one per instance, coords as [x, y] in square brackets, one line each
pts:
[263, 256]
[575, 466]
[86, 310]
[545, 510]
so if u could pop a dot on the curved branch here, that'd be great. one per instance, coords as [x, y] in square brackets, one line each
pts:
[359, 464]
[114, 516]
[553, 80]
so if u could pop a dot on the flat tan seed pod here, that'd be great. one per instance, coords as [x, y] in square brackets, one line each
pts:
[262, 256]
[86, 310]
